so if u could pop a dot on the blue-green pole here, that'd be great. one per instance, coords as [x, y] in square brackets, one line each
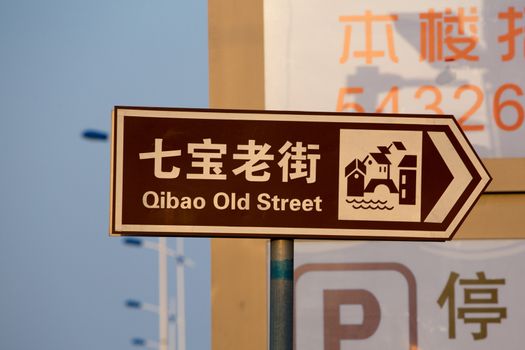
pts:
[281, 294]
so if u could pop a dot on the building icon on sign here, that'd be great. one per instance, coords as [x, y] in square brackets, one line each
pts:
[376, 169]
[407, 179]
[355, 173]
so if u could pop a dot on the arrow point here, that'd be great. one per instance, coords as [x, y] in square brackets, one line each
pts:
[436, 176]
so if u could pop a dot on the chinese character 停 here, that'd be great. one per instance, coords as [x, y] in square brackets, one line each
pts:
[479, 293]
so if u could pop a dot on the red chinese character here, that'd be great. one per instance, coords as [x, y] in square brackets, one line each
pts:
[511, 16]
[457, 33]
[368, 53]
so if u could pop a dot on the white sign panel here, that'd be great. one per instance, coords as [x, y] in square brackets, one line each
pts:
[393, 295]
[456, 57]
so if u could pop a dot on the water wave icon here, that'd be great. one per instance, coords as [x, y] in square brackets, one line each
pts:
[361, 201]
[369, 204]
[377, 207]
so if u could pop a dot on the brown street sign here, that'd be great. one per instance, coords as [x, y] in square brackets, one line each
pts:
[218, 173]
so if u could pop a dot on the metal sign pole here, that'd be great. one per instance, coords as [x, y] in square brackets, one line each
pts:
[281, 294]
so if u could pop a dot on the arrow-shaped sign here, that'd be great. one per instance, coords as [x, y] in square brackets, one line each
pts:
[291, 174]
